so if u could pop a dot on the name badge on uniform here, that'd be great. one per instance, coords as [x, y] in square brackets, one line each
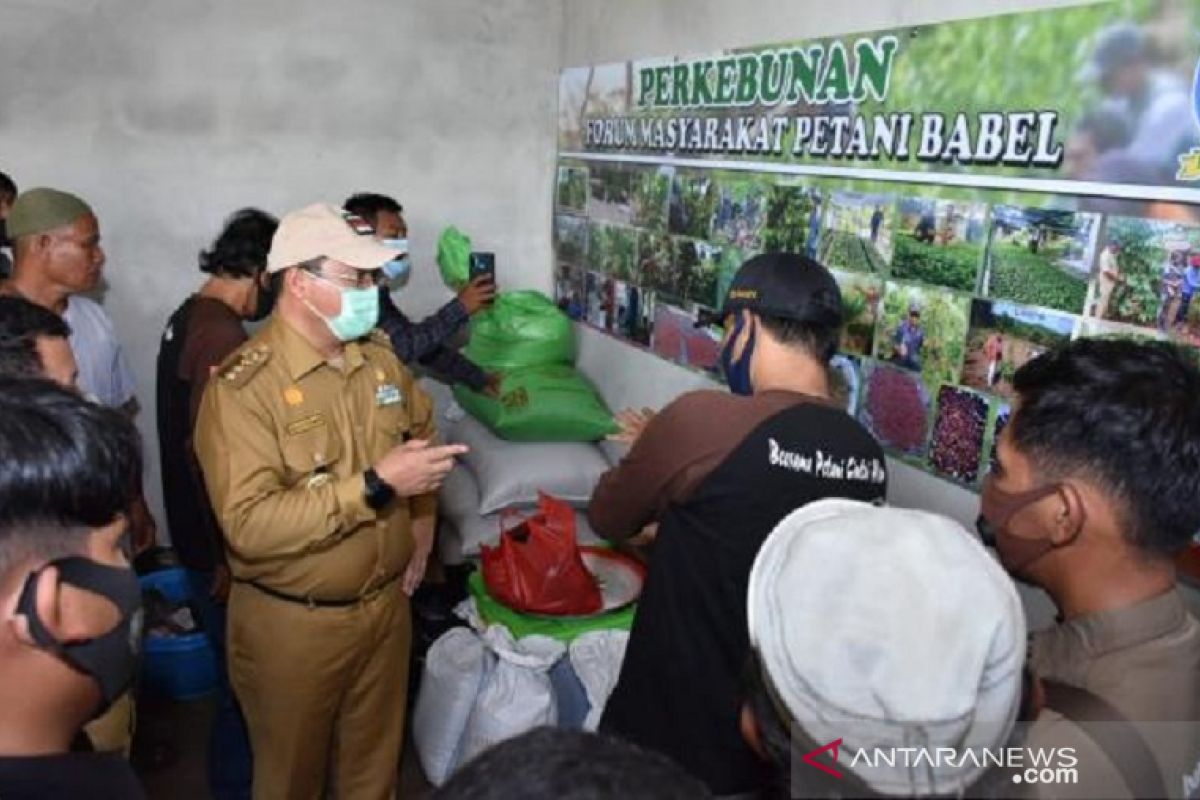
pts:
[306, 424]
[388, 395]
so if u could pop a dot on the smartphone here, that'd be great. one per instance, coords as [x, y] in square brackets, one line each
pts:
[482, 264]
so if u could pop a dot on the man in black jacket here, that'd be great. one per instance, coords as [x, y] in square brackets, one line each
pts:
[427, 342]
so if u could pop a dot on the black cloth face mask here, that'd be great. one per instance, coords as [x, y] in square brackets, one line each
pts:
[266, 299]
[110, 659]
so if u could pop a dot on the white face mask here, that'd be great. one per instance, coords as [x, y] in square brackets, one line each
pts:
[359, 314]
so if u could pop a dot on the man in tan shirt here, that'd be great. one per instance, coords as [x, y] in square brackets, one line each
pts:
[315, 445]
[1093, 494]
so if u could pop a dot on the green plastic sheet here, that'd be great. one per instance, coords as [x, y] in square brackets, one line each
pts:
[565, 630]
[454, 257]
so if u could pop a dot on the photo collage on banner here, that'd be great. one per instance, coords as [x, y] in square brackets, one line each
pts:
[976, 210]
[946, 292]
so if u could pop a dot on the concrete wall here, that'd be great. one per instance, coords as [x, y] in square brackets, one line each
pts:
[169, 115]
[616, 30]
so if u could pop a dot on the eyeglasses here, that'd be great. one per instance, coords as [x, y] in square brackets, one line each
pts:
[362, 279]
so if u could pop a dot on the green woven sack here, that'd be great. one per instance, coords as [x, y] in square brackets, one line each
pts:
[521, 329]
[552, 403]
[454, 257]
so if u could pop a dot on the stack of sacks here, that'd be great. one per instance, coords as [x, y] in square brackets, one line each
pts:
[498, 475]
[531, 343]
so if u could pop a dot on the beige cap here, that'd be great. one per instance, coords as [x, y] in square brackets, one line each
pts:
[888, 628]
[322, 230]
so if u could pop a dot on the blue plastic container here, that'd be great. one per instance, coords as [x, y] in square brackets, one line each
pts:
[183, 667]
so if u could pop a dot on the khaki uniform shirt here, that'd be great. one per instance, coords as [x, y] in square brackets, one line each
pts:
[283, 438]
[1145, 662]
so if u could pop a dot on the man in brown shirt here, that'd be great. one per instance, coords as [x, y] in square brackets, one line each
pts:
[717, 471]
[198, 337]
[315, 444]
[1093, 494]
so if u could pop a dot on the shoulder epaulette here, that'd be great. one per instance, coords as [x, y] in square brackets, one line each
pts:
[244, 364]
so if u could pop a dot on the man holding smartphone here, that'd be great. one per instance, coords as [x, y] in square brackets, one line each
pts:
[427, 342]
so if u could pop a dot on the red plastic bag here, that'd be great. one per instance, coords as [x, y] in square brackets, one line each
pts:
[537, 566]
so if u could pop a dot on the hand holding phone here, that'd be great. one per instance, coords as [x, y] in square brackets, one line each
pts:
[482, 264]
[481, 290]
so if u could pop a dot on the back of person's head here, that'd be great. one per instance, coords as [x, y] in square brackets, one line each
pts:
[1123, 417]
[240, 250]
[570, 765]
[881, 628]
[22, 324]
[69, 466]
[796, 299]
[368, 205]
[68, 477]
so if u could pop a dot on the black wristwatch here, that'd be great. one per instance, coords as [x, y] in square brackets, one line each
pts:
[377, 493]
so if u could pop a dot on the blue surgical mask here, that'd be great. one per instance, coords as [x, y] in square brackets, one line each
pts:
[737, 375]
[397, 269]
[359, 314]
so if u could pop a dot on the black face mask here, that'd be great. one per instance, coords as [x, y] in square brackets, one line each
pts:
[266, 300]
[111, 658]
[4, 233]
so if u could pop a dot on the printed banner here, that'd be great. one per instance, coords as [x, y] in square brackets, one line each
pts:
[954, 273]
[1100, 96]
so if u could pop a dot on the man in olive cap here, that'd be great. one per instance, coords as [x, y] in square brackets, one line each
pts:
[56, 240]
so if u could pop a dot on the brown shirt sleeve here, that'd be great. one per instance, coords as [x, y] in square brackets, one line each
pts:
[680, 447]
[211, 339]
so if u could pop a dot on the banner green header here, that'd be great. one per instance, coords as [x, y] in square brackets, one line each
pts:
[815, 75]
[1097, 100]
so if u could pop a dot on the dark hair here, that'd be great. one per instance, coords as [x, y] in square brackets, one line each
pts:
[242, 246]
[818, 338]
[571, 765]
[1124, 415]
[68, 466]
[8, 187]
[368, 206]
[22, 323]
[782, 741]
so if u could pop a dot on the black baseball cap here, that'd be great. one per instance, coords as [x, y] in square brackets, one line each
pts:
[788, 286]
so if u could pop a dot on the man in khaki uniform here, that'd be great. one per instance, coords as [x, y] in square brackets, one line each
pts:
[1093, 493]
[315, 446]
